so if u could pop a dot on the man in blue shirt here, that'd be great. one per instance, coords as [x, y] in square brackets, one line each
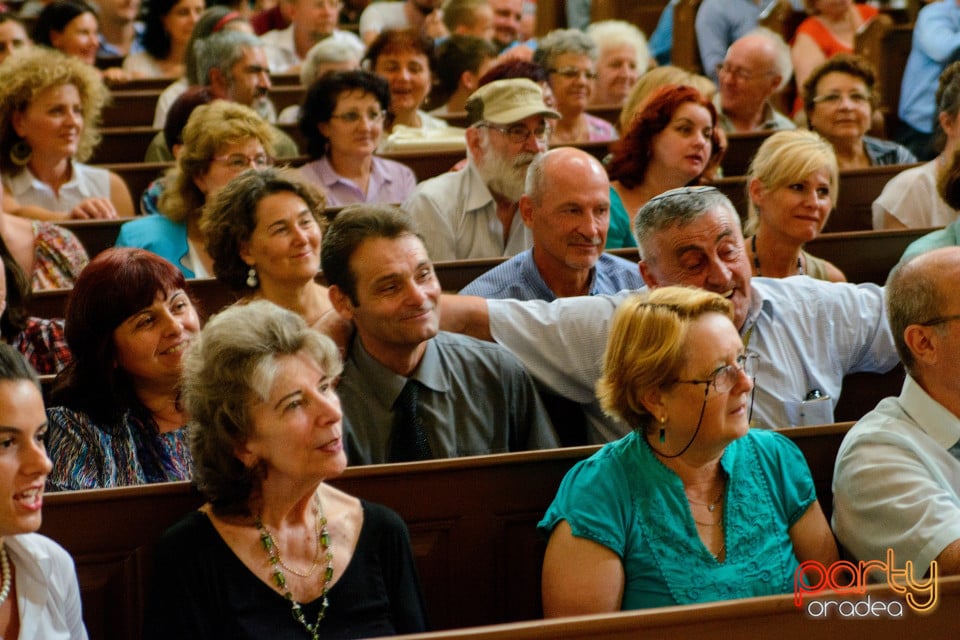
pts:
[808, 333]
[567, 209]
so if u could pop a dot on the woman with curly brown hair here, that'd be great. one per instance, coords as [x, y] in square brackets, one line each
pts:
[672, 142]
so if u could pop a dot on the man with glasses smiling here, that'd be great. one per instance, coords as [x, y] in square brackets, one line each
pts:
[756, 66]
[473, 213]
[808, 333]
[896, 483]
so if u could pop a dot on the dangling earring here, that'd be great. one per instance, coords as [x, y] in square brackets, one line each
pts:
[20, 153]
[663, 431]
[252, 281]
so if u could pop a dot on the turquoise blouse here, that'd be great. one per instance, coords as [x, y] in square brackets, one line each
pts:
[624, 498]
[620, 235]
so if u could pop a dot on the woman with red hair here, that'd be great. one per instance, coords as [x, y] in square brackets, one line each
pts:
[116, 418]
[672, 142]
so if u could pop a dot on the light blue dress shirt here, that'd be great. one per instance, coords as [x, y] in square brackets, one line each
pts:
[808, 333]
[519, 278]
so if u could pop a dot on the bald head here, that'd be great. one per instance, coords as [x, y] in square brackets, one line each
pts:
[920, 297]
[756, 66]
[560, 165]
[567, 209]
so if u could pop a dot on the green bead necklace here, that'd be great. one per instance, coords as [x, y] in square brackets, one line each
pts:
[324, 551]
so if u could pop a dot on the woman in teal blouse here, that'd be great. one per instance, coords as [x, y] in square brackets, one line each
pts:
[693, 505]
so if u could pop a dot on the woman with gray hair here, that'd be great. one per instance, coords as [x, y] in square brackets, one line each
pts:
[274, 537]
[623, 57]
[327, 55]
[570, 58]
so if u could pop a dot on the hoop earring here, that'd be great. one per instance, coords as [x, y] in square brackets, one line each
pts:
[20, 153]
[252, 280]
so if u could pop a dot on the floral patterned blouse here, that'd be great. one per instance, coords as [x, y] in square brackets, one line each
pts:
[59, 257]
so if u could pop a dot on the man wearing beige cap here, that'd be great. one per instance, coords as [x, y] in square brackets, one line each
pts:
[473, 213]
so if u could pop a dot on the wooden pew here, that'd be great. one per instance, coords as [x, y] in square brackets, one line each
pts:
[852, 211]
[123, 144]
[95, 235]
[684, 52]
[642, 13]
[762, 617]
[138, 175]
[865, 256]
[136, 107]
[741, 147]
[473, 533]
[886, 46]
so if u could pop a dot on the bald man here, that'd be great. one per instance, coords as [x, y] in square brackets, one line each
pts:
[896, 484]
[566, 207]
[756, 66]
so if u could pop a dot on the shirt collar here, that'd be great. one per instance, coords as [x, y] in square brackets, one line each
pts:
[385, 385]
[478, 195]
[930, 416]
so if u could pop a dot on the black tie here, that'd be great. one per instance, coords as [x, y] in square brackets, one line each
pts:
[409, 437]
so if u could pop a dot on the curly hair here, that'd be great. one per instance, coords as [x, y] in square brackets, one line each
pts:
[561, 41]
[322, 98]
[631, 155]
[29, 73]
[230, 218]
[210, 127]
[230, 366]
[646, 347]
[849, 64]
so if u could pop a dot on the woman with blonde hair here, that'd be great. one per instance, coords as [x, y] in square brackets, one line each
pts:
[50, 106]
[221, 140]
[661, 77]
[792, 185]
[693, 505]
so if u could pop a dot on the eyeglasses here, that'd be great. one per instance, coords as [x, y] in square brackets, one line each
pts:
[724, 378]
[327, 4]
[518, 133]
[833, 99]
[353, 117]
[740, 73]
[570, 73]
[240, 161]
[938, 320]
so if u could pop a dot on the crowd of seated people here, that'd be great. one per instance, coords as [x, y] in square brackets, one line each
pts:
[144, 394]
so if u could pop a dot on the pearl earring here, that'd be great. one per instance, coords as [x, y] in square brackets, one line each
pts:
[252, 281]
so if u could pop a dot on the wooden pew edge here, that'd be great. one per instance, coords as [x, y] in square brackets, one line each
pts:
[666, 617]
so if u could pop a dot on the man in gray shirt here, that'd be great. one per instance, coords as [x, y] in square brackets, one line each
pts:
[410, 392]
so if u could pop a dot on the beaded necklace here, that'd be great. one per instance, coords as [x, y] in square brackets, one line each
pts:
[5, 569]
[756, 258]
[280, 580]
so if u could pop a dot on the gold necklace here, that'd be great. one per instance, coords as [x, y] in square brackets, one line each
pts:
[280, 580]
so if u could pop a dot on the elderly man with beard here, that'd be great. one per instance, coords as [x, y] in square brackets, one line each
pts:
[473, 213]
[566, 206]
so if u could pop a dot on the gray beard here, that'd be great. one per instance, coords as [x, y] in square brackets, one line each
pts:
[507, 178]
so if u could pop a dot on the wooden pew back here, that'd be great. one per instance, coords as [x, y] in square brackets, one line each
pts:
[763, 617]
[684, 52]
[886, 46]
[472, 524]
[853, 209]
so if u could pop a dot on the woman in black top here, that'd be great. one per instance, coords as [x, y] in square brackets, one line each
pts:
[274, 538]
